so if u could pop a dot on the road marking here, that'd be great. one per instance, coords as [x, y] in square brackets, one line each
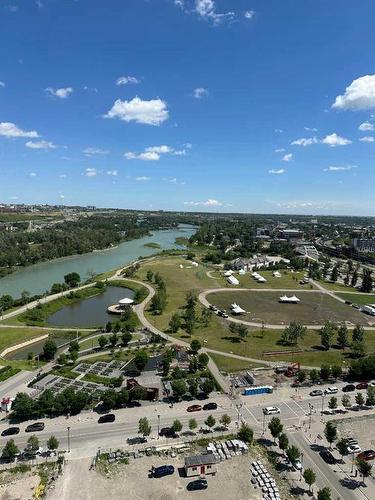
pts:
[252, 415]
[291, 409]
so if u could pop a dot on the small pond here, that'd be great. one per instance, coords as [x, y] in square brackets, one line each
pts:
[90, 312]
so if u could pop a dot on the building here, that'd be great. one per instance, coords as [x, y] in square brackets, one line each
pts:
[199, 465]
[364, 244]
[291, 234]
[308, 251]
[257, 261]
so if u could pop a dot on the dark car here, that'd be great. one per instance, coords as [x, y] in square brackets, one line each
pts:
[167, 432]
[316, 392]
[327, 457]
[348, 388]
[199, 484]
[348, 302]
[194, 408]
[210, 406]
[38, 426]
[104, 419]
[10, 431]
[137, 440]
[163, 470]
[366, 455]
[133, 404]
[362, 385]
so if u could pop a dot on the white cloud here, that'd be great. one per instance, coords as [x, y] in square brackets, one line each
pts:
[277, 171]
[334, 140]
[280, 150]
[40, 145]
[279, 130]
[179, 3]
[95, 151]
[142, 178]
[32, 174]
[310, 129]
[159, 149]
[200, 93]
[92, 89]
[368, 138]
[359, 95]
[62, 196]
[91, 172]
[112, 172]
[153, 112]
[146, 156]
[153, 153]
[2, 84]
[340, 168]
[207, 10]
[208, 203]
[8, 129]
[305, 141]
[126, 80]
[366, 127]
[288, 157]
[62, 93]
[249, 14]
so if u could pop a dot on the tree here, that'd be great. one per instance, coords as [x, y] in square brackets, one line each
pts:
[358, 334]
[6, 302]
[225, 420]
[325, 372]
[210, 421]
[314, 376]
[336, 371]
[245, 433]
[175, 323]
[283, 442]
[342, 447]
[179, 388]
[72, 279]
[364, 468]
[62, 359]
[324, 494]
[359, 399]
[192, 424]
[52, 443]
[149, 275]
[367, 283]
[108, 327]
[23, 407]
[206, 317]
[346, 401]
[177, 426]
[144, 427]
[358, 349]
[276, 427]
[193, 387]
[292, 333]
[10, 450]
[126, 337]
[33, 443]
[370, 401]
[354, 279]
[49, 349]
[301, 376]
[140, 360]
[113, 339]
[310, 477]
[330, 433]
[327, 333]
[334, 274]
[208, 386]
[332, 403]
[203, 360]
[109, 399]
[139, 393]
[293, 453]
[343, 337]
[195, 346]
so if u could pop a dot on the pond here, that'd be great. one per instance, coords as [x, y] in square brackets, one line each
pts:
[90, 312]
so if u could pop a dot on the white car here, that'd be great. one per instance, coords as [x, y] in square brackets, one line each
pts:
[331, 390]
[271, 410]
[354, 448]
[297, 465]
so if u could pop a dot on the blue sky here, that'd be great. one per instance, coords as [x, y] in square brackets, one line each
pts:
[237, 106]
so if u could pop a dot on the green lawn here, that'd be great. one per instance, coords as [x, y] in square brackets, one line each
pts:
[314, 309]
[229, 365]
[12, 336]
[337, 287]
[90, 343]
[287, 281]
[358, 298]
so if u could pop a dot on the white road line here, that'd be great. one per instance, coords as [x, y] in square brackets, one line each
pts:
[291, 409]
[252, 415]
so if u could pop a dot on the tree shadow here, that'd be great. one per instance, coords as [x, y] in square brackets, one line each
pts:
[265, 442]
[297, 491]
[233, 340]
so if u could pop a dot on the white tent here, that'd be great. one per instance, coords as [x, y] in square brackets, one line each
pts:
[262, 280]
[126, 302]
[228, 273]
[242, 272]
[289, 300]
[236, 309]
[276, 274]
[233, 281]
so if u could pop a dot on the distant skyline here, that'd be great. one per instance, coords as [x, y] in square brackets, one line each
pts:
[189, 105]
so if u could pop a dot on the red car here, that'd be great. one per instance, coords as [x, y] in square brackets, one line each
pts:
[366, 455]
[194, 408]
[362, 385]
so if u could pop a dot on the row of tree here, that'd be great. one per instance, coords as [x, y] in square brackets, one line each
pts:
[11, 450]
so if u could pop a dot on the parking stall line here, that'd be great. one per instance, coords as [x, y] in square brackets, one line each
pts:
[291, 409]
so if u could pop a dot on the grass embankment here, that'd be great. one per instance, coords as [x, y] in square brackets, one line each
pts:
[90, 343]
[361, 299]
[10, 337]
[217, 335]
[152, 244]
[337, 287]
[287, 281]
[226, 364]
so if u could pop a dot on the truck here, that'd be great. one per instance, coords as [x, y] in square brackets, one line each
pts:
[369, 310]
[260, 389]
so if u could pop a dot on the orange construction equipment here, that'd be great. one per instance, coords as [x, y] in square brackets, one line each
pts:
[293, 370]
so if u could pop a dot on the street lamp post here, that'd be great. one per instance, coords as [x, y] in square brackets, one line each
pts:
[300, 477]
[238, 407]
[68, 438]
[311, 409]
[264, 424]
[323, 396]
[158, 426]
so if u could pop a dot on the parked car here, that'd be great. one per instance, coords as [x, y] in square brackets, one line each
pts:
[105, 419]
[10, 431]
[362, 385]
[281, 369]
[327, 457]
[133, 404]
[137, 440]
[348, 302]
[167, 432]
[163, 470]
[210, 406]
[351, 441]
[194, 408]
[354, 448]
[331, 390]
[213, 308]
[37, 426]
[271, 410]
[223, 314]
[356, 306]
[348, 388]
[198, 484]
[366, 455]
[316, 392]
[297, 465]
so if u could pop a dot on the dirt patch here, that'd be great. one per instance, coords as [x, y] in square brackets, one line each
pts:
[18, 486]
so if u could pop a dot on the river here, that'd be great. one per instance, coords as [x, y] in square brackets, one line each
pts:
[38, 278]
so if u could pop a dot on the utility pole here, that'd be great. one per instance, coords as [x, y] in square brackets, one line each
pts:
[68, 438]
[323, 396]
[264, 424]
[310, 414]
[238, 407]
[158, 426]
